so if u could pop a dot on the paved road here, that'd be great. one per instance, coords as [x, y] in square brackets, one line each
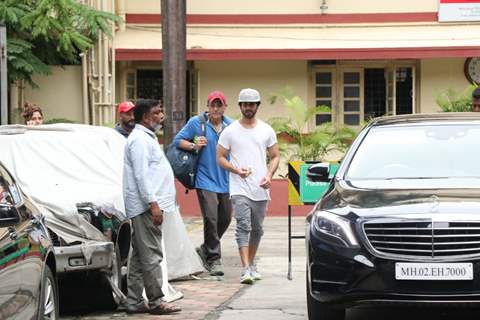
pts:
[274, 297]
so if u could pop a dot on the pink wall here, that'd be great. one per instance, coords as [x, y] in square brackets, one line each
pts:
[278, 206]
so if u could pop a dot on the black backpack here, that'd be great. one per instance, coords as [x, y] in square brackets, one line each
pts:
[184, 163]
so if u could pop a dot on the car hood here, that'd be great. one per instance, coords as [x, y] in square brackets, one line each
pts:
[370, 198]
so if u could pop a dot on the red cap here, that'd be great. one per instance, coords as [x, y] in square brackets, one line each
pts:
[216, 95]
[125, 106]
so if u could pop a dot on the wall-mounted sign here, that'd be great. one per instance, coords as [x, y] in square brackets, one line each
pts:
[459, 10]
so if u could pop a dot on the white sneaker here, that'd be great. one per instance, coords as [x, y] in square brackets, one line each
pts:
[246, 277]
[254, 273]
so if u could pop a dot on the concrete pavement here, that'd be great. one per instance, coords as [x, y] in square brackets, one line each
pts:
[274, 297]
[225, 298]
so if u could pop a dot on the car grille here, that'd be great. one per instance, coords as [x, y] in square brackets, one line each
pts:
[424, 239]
[54, 238]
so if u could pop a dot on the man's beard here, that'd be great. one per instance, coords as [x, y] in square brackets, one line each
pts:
[249, 114]
[129, 124]
[158, 126]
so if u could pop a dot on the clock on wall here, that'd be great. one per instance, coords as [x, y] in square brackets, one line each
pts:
[472, 69]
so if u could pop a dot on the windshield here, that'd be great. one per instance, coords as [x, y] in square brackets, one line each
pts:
[418, 152]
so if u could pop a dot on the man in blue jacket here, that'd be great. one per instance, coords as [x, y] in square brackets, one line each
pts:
[211, 180]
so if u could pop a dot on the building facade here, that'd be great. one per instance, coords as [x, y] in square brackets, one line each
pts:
[377, 58]
[383, 57]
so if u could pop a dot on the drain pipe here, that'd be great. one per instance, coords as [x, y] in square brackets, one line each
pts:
[324, 7]
[86, 118]
[121, 12]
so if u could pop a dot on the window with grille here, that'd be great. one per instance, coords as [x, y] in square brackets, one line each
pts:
[149, 84]
[352, 98]
[131, 86]
[324, 95]
[375, 92]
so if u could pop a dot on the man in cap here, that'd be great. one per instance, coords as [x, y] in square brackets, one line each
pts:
[248, 141]
[126, 121]
[211, 180]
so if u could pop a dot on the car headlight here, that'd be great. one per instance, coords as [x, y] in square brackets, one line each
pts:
[338, 229]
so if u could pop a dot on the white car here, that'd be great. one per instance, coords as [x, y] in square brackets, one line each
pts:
[73, 173]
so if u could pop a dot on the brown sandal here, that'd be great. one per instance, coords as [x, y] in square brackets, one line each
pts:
[164, 308]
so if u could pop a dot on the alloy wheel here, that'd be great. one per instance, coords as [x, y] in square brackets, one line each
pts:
[49, 309]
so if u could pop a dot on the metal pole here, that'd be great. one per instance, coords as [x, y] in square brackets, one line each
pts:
[3, 76]
[289, 274]
[174, 39]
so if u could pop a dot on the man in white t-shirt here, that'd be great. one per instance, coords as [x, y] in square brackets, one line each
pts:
[248, 141]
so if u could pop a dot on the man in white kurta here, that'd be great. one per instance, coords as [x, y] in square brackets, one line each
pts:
[149, 193]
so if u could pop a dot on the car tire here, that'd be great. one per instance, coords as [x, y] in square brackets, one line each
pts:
[322, 311]
[89, 291]
[49, 306]
[106, 299]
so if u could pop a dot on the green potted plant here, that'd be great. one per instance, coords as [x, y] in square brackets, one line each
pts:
[296, 143]
[452, 100]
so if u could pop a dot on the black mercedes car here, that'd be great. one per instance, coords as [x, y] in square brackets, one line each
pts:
[28, 284]
[400, 221]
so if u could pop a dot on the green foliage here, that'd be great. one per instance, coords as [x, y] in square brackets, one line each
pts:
[49, 32]
[452, 100]
[316, 144]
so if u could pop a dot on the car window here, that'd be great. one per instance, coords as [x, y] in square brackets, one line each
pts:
[6, 187]
[418, 151]
[5, 196]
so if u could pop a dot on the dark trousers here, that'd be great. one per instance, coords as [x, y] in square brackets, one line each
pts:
[217, 214]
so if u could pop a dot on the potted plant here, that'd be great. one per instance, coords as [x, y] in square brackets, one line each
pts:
[452, 100]
[296, 142]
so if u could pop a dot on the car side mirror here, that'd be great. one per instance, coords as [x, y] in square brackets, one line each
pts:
[319, 172]
[8, 215]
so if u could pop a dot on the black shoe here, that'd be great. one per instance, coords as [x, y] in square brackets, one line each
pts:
[203, 258]
[216, 269]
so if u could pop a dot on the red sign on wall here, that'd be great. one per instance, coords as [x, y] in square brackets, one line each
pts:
[459, 10]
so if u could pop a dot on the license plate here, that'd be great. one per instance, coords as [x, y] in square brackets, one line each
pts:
[433, 271]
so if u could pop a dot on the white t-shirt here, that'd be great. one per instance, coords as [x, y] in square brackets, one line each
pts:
[248, 150]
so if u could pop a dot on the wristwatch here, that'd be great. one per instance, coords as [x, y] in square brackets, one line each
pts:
[192, 146]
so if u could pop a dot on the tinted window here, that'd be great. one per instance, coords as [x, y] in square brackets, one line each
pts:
[5, 196]
[8, 191]
[418, 151]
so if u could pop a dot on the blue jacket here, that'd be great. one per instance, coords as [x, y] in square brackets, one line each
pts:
[210, 176]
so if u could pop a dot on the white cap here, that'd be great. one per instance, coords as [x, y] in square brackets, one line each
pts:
[249, 95]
